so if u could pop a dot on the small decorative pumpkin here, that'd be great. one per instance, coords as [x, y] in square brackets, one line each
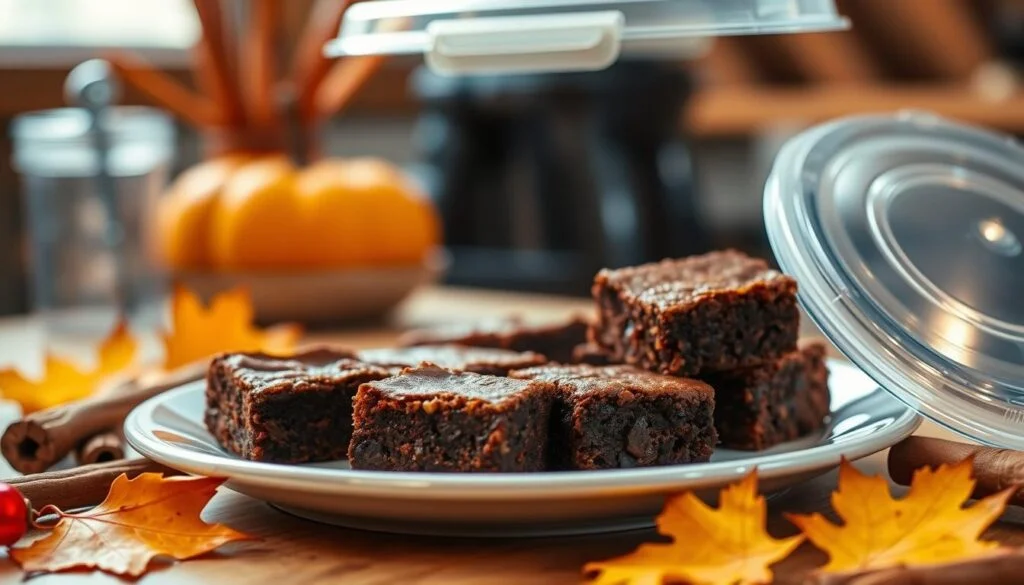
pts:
[249, 207]
[235, 213]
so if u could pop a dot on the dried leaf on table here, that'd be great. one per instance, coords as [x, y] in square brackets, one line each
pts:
[724, 546]
[64, 381]
[199, 332]
[140, 519]
[928, 526]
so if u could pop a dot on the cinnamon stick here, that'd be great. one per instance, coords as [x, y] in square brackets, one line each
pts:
[107, 445]
[1001, 569]
[994, 469]
[215, 62]
[41, 439]
[163, 89]
[102, 448]
[343, 83]
[309, 64]
[260, 72]
[81, 486]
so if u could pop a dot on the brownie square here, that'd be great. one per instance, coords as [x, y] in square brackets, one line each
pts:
[480, 360]
[760, 407]
[292, 410]
[714, 312]
[433, 419]
[556, 341]
[620, 416]
[591, 354]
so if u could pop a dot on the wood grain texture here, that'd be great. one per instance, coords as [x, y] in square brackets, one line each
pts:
[299, 552]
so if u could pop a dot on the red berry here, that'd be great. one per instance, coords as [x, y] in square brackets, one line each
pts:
[13, 515]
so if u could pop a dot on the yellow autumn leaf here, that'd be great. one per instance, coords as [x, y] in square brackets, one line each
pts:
[198, 332]
[64, 381]
[724, 546]
[140, 519]
[928, 526]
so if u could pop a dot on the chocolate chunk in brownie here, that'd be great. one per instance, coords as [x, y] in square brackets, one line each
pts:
[556, 340]
[760, 407]
[592, 354]
[480, 360]
[433, 419]
[620, 416]
[715, 312]
[285, 410]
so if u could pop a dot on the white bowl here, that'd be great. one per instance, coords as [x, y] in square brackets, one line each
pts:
[323, 296]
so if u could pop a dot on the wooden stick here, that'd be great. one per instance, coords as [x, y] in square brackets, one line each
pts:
[343, 83]
[204, 79]
[994, 469]
[81, 486]
[41, 439]
[213, 46]
[260, 65]
[163, 89]
[309, 65]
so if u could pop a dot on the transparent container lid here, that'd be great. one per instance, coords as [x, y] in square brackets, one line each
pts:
[905, 234]
[504, 36]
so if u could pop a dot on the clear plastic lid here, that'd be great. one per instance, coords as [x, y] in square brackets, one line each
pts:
[905, 234]
[501, 36]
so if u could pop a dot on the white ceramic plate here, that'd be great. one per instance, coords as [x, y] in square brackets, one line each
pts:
[169, 429]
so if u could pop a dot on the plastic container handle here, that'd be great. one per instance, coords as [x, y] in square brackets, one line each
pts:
[586, 41]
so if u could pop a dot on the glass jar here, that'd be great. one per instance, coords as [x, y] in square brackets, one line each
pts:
[89, 247]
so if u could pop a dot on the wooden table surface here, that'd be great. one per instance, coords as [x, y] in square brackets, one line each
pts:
[294, 551]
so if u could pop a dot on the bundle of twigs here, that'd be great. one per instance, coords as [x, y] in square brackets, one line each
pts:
[242, 102]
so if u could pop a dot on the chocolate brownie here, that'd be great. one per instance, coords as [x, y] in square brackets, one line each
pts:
[285, 410]
[592, 354]
[480, 360]
[760, 407]
[620, 416]
[433, 419]
[715, 312]
[556, 340]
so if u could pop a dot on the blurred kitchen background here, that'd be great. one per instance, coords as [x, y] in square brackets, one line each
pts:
[541, 180]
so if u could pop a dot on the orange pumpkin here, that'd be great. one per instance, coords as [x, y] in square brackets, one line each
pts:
[239, 213]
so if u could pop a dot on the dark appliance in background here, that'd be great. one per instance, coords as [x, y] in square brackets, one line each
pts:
[1005, 18]
[542, 180]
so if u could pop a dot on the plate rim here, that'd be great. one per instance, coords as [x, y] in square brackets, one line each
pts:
[521, 486]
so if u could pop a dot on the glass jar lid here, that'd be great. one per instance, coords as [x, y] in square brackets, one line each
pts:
[905, 234]
[504, 36]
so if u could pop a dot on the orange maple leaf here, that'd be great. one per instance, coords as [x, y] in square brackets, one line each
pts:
[727, 546]
[140, 519]
[928, 526]
[198, 332]
[63, 381]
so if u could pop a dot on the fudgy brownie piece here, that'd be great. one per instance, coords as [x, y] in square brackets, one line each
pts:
[760, 407]
[433, 419]
[480, 360]
[714, 312]
[556, 341]
[592, 354]
[285, 410]
[620, 416]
